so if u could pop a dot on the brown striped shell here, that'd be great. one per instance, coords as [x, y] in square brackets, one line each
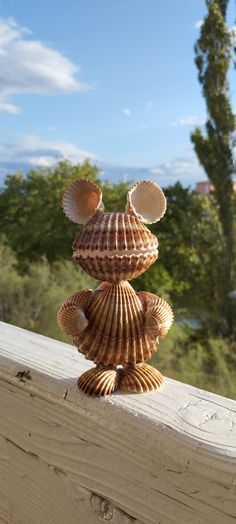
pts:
[115, 247]
[71, 317]
[98, 381]
[140, 379]
[136, 379]
[159, 315]
[116, 331]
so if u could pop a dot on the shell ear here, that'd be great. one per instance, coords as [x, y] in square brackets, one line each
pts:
[147, 201]
[81, 200]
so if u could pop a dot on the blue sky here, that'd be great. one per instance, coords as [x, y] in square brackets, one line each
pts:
[112, 80]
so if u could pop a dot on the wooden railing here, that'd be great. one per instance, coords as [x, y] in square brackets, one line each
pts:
[65, 458]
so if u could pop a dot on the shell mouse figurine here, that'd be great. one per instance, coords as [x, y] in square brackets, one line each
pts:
[114, 326]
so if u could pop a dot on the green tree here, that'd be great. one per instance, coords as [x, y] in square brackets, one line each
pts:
[215, 148]
[189, 263]
[195, 358]
[31, 214]
[31, 300]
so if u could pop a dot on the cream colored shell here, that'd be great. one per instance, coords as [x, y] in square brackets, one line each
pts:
[147, 201]
[81, 200]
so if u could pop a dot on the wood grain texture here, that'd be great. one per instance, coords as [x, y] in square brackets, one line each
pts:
[165, 457]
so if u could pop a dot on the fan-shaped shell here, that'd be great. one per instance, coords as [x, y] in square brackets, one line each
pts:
[140, 379]
[115, 247]
[81, 200]
[147, 201]
[98, 381]
[116, 332]
[159, 318]
[159, 315]
[72, 319]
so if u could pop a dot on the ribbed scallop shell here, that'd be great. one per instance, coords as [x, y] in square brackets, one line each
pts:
[98, 381]
[116, 331]
[115, 247]
[72, 320]
[81, 200]
[140, 379]
[159, 318]
[136, 379]
[80, 298]
[71, 317]
[147, 201]
[159, 315]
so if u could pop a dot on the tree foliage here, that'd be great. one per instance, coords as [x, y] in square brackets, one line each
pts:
[31, 212]
[215, 148]
[31, 300]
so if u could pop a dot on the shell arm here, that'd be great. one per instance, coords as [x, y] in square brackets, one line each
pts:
[159, 315]
[71, 315]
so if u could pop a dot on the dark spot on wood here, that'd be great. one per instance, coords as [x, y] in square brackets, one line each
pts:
[23, 376]
[65, 394]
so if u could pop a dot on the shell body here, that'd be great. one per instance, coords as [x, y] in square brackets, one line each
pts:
[116, 332]
[115, 246]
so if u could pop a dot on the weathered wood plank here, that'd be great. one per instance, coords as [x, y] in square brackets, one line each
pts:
[163, 457]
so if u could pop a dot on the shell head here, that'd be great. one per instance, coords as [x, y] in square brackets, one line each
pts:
[114, 246]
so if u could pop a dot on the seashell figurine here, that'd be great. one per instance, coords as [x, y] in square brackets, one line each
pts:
[115, 327]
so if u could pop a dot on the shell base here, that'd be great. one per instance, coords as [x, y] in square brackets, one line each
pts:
[98, 381]
[102, 381]
[140, 379]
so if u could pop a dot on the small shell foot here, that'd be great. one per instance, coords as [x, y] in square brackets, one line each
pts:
[141, 378]
[98, 381]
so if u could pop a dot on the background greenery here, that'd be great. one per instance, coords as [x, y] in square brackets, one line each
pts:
[37, 272]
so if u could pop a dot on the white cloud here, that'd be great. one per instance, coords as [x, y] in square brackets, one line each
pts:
[184, 168]
[126, 111]
[9, 108]
[191, 120]
[41, 161]
[30, 66]
[198, 24]
[31, 151]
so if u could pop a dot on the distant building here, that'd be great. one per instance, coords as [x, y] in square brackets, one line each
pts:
[204, 188]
